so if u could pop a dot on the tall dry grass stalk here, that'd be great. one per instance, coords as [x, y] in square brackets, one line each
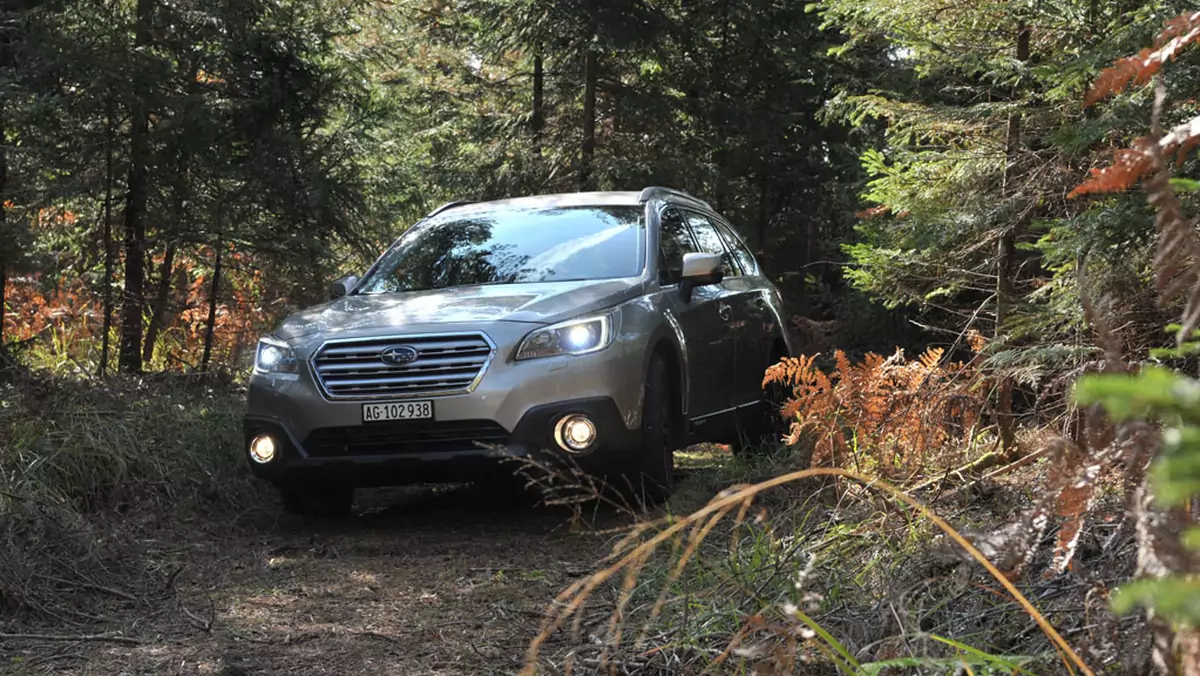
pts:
[631, 554]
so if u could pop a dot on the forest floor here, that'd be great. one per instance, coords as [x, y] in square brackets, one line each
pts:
[456, 580]
[132, 541]
[421, 580]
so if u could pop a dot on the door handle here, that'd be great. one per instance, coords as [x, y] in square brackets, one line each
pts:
[725, 311]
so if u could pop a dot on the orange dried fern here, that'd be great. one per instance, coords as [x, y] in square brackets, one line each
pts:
[1177, 34]
[883, 414]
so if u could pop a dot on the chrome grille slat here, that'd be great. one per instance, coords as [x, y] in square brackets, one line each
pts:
[435, 346]
[435, 378]
[445, 364]
[421, 366]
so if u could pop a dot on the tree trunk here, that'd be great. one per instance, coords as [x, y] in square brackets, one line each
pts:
[135, 213]
[717, 79]
[158, 308]
[764, 188]
[211, 325]
[588, 150]
[4, 235]
[108, 248]
[539, 113]
[1006, 263]
[8, 255]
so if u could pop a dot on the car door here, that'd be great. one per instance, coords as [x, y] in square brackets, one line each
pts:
[708, 343]
[737, 308]
[762, 326]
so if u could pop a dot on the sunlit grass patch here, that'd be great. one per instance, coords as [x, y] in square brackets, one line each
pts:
[851, 580]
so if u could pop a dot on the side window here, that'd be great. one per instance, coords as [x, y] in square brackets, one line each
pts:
[710, 242]
[676, 241]
[739, 249]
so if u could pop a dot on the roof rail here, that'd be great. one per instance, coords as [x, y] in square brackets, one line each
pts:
[659, 191]
[448, 205]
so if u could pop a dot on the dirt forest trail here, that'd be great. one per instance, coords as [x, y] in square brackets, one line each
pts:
[420, 581]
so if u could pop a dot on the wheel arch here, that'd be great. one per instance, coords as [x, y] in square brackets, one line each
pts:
[664, 344]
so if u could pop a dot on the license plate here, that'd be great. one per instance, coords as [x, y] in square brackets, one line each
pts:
[402, 410]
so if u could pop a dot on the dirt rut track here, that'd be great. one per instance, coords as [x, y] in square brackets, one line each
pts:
[420, 581]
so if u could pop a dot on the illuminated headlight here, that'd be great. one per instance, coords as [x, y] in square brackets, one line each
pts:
[262, 449]
[275, 356]
[575, 433]
[578, 336]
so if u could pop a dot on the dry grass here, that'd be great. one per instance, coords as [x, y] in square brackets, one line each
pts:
[84, 467]
[827, 571]
[791, 639]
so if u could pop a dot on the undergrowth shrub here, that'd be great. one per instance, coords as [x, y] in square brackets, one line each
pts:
[814, 581]
[119, 445]
[85, 465]
[889, 416]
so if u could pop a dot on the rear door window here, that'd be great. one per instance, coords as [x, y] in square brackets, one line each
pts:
[735, 244]
[710, 242]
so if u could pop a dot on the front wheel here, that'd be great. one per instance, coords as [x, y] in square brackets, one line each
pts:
[317, 499]
[651, 478]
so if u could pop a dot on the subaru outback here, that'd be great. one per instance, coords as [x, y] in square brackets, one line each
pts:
[607, 329]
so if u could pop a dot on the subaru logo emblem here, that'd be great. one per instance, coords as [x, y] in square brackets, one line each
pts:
[398, 354]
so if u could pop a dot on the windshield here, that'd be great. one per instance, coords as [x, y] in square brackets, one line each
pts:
[514, 246]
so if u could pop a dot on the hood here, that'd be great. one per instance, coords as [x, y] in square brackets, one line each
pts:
[541, 303]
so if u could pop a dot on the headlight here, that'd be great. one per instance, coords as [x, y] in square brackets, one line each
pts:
[578, 336]
[275, 356]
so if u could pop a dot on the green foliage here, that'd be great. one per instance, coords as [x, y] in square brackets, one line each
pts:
[306, 136]
[981, 142]
[970, 657]
[1171, 399]
[1177, 599]
[1155, 392]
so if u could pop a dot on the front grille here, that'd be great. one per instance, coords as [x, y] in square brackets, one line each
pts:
[445, 364]
[407, 437]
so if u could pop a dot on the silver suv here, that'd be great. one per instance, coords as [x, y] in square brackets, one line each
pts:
[606, 329]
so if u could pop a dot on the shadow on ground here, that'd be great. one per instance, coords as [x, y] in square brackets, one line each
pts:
[421, 580]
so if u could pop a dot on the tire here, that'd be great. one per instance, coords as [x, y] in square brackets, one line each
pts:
[320, 499]
[651, 477]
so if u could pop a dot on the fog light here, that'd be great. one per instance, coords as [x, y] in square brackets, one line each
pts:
[575, 433]
[262, 449]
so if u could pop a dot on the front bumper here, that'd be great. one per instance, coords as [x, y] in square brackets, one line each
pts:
[386, 454]
[511, 410]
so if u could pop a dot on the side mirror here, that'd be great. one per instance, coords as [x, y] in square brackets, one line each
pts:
[699, 269]
[342, 287]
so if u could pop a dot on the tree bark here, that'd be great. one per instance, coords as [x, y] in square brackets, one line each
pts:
[1006, 263]
[4, 235]
[158, 307]
[135, 213]
[213, 292]
[716, 84]
[108, 248]
[588, 151]
[764, 188]
[211, 325]
[538, 120]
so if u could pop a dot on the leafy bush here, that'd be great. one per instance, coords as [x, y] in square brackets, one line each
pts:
[1156, 409]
